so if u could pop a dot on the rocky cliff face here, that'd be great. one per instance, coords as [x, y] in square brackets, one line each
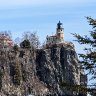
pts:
[40, 72]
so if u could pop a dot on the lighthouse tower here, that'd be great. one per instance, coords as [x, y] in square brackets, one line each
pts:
[60, 32]
[58, 37]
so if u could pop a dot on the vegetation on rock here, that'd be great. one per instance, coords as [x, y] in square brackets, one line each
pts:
[25, 44]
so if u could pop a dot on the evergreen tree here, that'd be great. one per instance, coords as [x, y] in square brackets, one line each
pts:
[15, 47]
[88, 60]
[25, 44]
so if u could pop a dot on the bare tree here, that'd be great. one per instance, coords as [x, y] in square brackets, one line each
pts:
[26, 35]
[17, 41]
[43, 45]
[6, 33]
[3, 36]
[33, 39]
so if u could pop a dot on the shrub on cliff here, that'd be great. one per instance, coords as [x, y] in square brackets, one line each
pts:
[15, 47]
[25, 44]
[33, 39]
[17, 76]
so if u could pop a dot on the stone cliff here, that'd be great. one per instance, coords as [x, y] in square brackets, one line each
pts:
[39, 72]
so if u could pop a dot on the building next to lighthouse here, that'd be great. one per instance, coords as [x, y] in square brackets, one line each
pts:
[58, 37]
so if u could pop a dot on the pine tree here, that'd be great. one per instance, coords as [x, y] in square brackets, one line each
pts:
[88, 60]
[25, 44]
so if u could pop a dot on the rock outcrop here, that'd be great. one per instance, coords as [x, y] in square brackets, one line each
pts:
[39, 72]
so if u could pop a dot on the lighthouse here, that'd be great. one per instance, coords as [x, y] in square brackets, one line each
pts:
[58, 37]
[60, 32]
